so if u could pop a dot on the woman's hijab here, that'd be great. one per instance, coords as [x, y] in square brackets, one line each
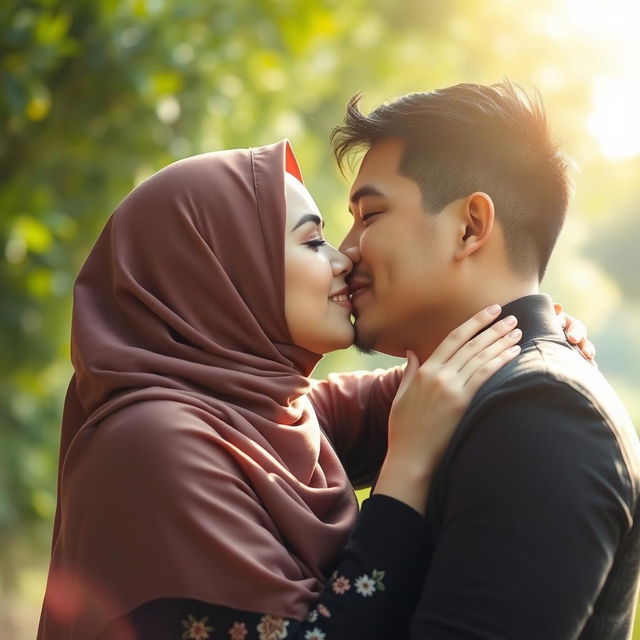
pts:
[191, 462]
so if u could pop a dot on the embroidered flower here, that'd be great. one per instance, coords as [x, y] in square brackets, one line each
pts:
[315, 634]
[377, 577]
[365, 585]
[272, 627]
[239, 631]
[196, 629]
[341, 585]
[323, 611]
[313, 615]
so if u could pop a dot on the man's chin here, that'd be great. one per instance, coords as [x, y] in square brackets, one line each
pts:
[363, 343]
[370, 343]
[365, 349]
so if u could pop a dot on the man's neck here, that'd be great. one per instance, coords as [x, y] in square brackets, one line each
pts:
[501, 293]
[466, 306]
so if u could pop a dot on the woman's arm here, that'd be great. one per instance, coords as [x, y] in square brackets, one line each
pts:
[353, 410]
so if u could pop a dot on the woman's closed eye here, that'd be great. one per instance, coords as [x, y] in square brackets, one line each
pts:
[314, 244]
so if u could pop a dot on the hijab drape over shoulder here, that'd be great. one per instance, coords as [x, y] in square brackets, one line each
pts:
[191, 464]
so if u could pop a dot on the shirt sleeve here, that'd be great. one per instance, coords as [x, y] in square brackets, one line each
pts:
[536, 504]
[369, 595]
[353, 410]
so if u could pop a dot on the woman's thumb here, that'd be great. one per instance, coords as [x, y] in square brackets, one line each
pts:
[409, 372]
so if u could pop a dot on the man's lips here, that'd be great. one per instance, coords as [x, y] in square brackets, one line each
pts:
[357, 293]
[357, 288]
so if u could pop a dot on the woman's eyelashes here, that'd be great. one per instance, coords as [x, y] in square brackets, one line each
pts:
[314, 244]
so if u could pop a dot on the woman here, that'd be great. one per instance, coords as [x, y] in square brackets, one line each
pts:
[201, 493]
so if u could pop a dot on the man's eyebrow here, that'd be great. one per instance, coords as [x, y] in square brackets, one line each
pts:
[309, 217]
[366, 190]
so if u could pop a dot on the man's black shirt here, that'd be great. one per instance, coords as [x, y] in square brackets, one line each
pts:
[534, 513]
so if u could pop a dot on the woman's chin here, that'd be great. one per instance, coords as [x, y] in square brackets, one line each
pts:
[344, 343]
[338, 342]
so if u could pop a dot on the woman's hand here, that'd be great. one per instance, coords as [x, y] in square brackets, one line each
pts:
[432, 398]
[576, 332]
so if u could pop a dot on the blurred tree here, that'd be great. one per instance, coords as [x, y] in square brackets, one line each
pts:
[97, 95]
[614, 246]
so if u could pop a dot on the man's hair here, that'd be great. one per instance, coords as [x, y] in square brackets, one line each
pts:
[472, 137]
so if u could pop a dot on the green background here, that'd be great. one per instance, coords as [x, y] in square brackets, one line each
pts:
[97, 95]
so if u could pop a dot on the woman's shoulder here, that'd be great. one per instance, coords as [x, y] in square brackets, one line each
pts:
[158, 432]
[151, 416]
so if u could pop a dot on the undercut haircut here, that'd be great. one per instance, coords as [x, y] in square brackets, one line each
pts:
[472, 137]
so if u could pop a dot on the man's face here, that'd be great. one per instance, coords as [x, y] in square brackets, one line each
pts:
[402, 264]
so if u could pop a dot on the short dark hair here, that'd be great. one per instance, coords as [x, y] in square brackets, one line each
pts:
[472, 137]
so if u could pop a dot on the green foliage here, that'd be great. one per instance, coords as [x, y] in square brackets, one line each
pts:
[97, 95]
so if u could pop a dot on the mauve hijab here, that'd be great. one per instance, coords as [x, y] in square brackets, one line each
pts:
[192, 464]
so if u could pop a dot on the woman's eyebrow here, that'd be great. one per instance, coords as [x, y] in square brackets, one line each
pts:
[309, 217]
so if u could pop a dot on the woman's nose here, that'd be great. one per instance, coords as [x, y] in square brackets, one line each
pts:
[342, 264]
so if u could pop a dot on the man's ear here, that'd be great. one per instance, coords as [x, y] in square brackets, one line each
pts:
[478, 215]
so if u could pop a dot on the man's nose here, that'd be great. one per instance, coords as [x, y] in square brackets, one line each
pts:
[351, 248]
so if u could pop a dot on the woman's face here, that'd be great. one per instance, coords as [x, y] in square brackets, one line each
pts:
[316, 300]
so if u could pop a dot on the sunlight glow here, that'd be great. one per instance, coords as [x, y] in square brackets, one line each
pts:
[612, 27]
[615, 119]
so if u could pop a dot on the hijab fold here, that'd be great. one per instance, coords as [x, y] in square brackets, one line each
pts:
[191, 461]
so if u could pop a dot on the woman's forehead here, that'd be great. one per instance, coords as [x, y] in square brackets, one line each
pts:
[297, 197]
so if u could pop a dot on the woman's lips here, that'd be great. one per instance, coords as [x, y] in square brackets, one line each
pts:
[341, 298]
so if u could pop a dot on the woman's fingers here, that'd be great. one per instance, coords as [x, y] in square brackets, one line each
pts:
[587, 348]
[475, 349]
[575, 330]
[480, 362]
[432, 397]
[484, 372]
[576, 333]
[460, 335]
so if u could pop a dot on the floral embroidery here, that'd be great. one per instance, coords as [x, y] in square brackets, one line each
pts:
[365, 585]
[272, 627]
[196, 629]
[238, 631]
[341, 585]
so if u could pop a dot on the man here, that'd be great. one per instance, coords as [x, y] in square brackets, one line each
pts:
[534, 513]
